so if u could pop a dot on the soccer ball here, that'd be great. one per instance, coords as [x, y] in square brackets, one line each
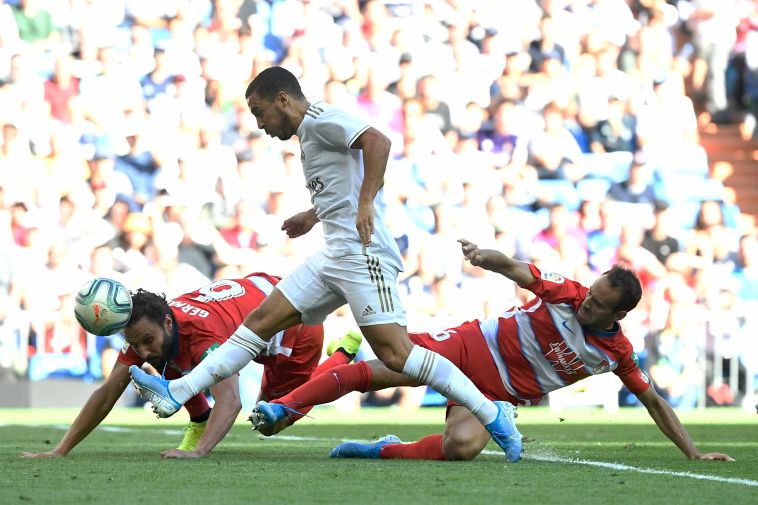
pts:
[103, 306]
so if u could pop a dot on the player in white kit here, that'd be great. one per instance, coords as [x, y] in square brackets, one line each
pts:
[344, 160]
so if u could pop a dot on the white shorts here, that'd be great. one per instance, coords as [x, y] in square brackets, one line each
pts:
[368, 284]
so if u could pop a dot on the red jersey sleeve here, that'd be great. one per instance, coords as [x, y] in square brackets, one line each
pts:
[631, 375]
[555, 288]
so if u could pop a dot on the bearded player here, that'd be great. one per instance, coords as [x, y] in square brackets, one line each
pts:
[174, 336]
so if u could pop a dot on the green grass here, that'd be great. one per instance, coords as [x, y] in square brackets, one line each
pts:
[123, 466]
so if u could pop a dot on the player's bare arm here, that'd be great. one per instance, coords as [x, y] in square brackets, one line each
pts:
[223, 415]
[497, 262]
[376, 151]
[667, 421]
[300, 224]
[99, 404]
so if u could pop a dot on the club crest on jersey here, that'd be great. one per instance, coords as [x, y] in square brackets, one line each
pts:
[644, 377]
[601, 367]
[563, 359]
[553, 277]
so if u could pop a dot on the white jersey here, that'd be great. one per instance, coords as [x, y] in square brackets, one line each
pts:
[334, 175]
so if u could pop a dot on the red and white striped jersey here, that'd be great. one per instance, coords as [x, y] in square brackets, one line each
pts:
[541, 346]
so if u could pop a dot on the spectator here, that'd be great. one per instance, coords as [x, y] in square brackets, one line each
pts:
[139, 165]
[657, 239]
[61, 88]
[637, 188]
[617, 132]
[554, 151]
[714, 27]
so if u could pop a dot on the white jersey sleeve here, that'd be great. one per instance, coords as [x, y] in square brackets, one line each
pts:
[337, 130]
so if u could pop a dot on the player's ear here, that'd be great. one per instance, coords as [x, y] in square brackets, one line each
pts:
[168, 322]
[621, 314]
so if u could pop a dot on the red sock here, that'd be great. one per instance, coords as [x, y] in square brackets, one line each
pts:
[329, 386]
[336, 359]
[197, 406]
[427, 448]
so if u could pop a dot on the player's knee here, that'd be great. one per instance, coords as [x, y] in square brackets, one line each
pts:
[459, 447]
[393, 360]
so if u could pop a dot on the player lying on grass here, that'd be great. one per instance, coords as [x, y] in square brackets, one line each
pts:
[566, 333]
[176, 335]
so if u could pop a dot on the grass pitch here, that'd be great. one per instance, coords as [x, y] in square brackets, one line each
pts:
[579, 456]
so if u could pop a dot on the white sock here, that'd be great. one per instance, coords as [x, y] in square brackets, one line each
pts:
[443, 376]
[223, 362]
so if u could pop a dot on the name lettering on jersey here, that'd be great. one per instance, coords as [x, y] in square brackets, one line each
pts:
[315, 186]
[189, 309]
[553, 277]
[563, 358]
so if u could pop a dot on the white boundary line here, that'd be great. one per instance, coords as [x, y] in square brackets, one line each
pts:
[534, 457]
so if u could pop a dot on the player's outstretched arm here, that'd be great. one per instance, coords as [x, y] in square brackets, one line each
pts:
[376, 151]
[225, 411]
[667, 421]
[495, 261]
[92, 414]
[300, 224]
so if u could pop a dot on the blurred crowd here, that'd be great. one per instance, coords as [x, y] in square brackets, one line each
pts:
[562, 132]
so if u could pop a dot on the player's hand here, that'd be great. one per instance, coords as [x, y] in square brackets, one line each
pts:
[177, 454]
[300, 224]
[49, 454]
[713, 456]
[471, 252]
[364, 222]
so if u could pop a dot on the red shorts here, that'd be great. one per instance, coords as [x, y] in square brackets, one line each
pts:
[464, 345]
[281, 373]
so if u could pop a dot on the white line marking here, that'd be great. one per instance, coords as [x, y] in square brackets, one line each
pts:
[535, 457]
[628, 468]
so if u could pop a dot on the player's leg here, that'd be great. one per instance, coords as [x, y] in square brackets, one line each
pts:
[327, 387]
[229, 358]
[464, 439]
[368, 283]
[199, 411]
[392, 346]
[389, 341]
[283, 307]
[342, 352]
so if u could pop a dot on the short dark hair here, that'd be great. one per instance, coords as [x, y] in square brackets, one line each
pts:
[273, 80]
[150, 305]
[628, 285]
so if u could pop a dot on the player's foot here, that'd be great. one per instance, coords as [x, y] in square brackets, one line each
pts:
[267, 414]
[350, 343]
[155, 390]
[364, 451]
[192, 433]
[504, 432]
